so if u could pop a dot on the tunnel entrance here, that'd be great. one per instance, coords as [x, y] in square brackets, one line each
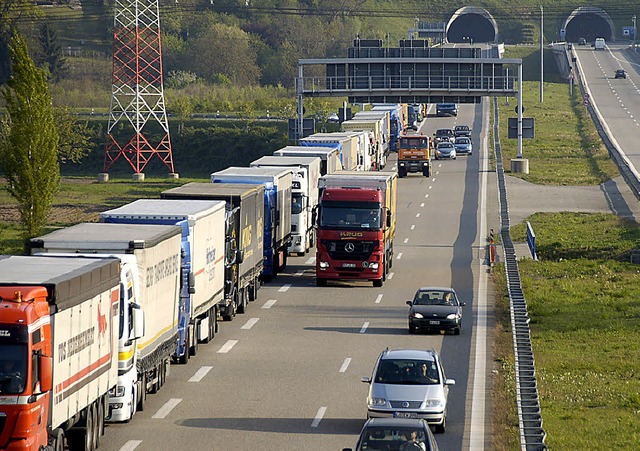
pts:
[471, 24]
[588, 23]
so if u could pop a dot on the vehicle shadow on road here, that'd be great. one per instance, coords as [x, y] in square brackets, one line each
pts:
[357, 330]
[340, 426]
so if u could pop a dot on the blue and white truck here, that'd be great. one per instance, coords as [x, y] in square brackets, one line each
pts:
[202, 263]
[396, 112]
[304, 197]
[277, 210]
[149, 297]
[244, 245]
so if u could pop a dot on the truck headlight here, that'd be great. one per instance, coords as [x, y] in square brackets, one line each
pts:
[323, 265]
[117, 392]
[374, 265]
[401, 164]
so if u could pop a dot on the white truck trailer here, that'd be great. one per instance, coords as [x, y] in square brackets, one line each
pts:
[150, 281]
[304, 197]
[329, 156]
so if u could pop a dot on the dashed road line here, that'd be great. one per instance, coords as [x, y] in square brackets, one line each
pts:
[227, 346]
[363, 329]
[167, 408]
[399, 256]
[269, 303]
[379, 298]
[318, 418]
[131, 445]
[284, 288]
[345, 365]
[200, 374]
[250, 323]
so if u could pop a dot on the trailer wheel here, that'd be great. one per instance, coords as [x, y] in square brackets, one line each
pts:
[402, 173]
[83, 438]
[242, 306]
[100, 421]
[193, 349]
[426, 171]
[56, 439]
[143, 393]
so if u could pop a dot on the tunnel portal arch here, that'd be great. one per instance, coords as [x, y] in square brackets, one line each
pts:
[589, 23]
[471, 22]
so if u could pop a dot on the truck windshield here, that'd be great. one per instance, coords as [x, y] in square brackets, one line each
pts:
[349, 216]
[414, 143]
[296, 203]
[13, 368]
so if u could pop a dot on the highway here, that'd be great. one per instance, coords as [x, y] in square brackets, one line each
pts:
[616, 100]
[286, 375]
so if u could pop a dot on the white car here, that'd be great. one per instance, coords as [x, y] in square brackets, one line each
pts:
[409, 383]
[333, 118]
[445, 150]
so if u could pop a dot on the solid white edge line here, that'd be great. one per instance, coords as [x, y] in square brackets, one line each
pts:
[130, 445]
[318, 418]
[478, 395]
[200, 374]
[363, 329]
[167, 408]
[227, 346]
[345, 365]
[269, 303]
[250, 323]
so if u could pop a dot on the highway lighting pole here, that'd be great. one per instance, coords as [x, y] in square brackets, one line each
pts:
[520, 111]
[541, 54]
[634, 31]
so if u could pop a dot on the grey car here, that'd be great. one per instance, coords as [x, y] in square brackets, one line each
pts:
[402, 434]
[463, 145]
[445, 150]
[435, 309]
[409, 383]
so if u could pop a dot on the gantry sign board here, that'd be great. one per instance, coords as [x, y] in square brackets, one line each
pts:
[409, 75]
[528, 128]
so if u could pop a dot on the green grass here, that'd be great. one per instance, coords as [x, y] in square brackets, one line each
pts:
[584, 307]
[566, 149]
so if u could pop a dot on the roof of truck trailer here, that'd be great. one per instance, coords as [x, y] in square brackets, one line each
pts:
[93, 235]
[251, 172]
[212, 190]
[309, 149]
[178, 209]
[275, 160]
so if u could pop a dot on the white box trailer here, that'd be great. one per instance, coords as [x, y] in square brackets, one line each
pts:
[329, 156]
[277, 213]
[202, 267]
[348, 146]
[376, 159]
[306, 172]
[150, 276]
[59, 321]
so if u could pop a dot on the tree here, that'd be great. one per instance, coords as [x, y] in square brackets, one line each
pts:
[52, 55]
[29, 147]
[74, 138]
[11, 11]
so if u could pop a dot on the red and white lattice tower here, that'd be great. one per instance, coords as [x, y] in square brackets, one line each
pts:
[138, 127]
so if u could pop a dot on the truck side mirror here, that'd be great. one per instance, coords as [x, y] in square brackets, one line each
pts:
[45, 373]
[239, 256]
[138, 321]
[192, 282]
[388, 218]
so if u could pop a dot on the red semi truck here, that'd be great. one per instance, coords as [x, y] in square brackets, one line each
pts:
[58, 350]
[356, 226]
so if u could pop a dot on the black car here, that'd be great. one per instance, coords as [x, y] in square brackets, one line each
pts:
[461, 130]
[582, 41]
[620, 73]
[446, 109]
[435, 308]
[396, 434]
[443, 135]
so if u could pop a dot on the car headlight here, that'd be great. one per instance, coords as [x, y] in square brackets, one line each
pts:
[433, 403]
[453, 316]
[323, 264]
[417, 315]
[377, 402]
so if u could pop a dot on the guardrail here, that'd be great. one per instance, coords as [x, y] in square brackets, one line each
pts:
[532, 435]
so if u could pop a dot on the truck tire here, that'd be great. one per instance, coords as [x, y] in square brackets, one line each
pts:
[81, 439]
[56, 440]
[100, 421]
[378, 283]
[184, 358]
[426, 171]
[143, 393]
[402, 173]
[321, 282]
[242, 306]
[193, 348]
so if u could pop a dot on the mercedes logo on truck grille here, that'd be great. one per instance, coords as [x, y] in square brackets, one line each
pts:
[349, 247]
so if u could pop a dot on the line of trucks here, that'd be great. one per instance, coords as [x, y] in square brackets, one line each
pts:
[92, 320]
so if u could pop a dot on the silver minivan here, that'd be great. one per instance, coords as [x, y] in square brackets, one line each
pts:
[409, 383]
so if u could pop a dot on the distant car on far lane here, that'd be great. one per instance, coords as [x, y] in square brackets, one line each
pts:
[446, 109]
[620, 73]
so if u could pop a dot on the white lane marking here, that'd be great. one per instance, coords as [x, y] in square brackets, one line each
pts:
[130, 445]
[433, 180]
[299, 273]
[479, 394]
[422, 204]
[284, 287]
[399, 256]
[426, 195]
[167, 408]
[227, 346]
[390, 276]
[250, 323]
[345, 364]
[430, 186]
[269, 303]
[311, 260]
[318, 418]
[363, 329]
[201, 373]
[379, 298]
[406, 240]
[413, 226]
[417, 215]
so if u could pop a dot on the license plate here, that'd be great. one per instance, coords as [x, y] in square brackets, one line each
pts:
[435, 323]
[405, 415]
[348, 265]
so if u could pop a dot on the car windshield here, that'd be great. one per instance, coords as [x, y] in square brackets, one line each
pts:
[462, 141]
[407, 372]
[435, 298]
[13, 368]
[391, 438]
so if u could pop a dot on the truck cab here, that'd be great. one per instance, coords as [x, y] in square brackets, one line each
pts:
[414, 155]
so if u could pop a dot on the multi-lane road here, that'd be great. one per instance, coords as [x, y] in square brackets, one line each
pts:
[286, 375]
